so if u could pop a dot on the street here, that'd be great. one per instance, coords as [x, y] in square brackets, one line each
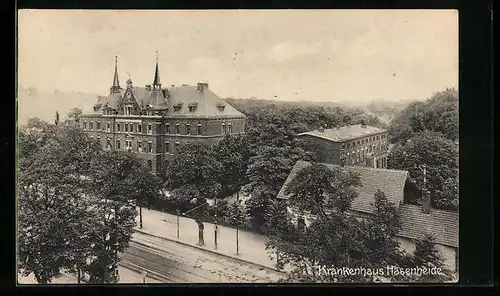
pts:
[172, 262]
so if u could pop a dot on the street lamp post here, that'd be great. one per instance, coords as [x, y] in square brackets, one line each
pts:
[215, 225]
[237, 223]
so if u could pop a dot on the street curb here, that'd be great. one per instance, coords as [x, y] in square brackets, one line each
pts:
[211, 251]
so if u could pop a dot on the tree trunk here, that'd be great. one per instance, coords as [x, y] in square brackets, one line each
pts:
[140, 216]
[201, 241]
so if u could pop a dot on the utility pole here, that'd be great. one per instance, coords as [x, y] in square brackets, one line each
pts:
[215, 225]
[237, 222]
[178, 213]
[140, 215]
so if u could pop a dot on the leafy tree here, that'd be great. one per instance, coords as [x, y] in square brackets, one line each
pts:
[74, 114]
[74, 211]
[232, 153]
[192, 179]
[267, 172]
[236, 214]
[425, 255]
[438, 114]
[381, 233]
[441, 159]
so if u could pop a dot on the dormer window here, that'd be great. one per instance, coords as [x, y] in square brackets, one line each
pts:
[192, 107]
[128, 110]
[177, 107]
[221, 107]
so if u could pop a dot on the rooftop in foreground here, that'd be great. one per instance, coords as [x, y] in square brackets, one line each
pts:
[345, 133]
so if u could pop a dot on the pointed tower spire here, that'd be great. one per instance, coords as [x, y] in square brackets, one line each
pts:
[116, 82]
[156, 81]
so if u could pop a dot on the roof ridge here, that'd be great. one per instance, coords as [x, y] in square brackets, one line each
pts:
[433, 210]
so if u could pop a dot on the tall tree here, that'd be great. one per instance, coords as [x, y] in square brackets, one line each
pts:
[192, 178]
[440, 156]
[232, 153]
[267, 172]
[56, 121]
[438, 114]
[73, 213]
[74, 114]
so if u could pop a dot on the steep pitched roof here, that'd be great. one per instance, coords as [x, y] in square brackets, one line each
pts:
[443, 225]
[345, 133]
[206, 102]
[391, 182]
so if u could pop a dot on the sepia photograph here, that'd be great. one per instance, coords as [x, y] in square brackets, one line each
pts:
[237, 146]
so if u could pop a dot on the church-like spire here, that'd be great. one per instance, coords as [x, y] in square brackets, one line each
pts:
[116, 82]
[156, 81]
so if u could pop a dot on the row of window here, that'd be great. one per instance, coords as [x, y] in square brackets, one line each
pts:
[359, 155]
[140, 147]
[366, 141]
[137, 128]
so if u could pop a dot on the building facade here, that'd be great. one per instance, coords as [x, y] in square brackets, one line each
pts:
[154, 121]
[352, 145]
[416, 221]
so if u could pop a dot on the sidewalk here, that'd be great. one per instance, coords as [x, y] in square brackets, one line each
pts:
[251, 246]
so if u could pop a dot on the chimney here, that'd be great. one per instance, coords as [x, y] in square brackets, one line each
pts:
[202, 86]
[426, 201]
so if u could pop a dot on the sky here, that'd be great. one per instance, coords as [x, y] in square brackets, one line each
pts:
[311, 55]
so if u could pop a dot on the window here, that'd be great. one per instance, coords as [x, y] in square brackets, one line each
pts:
[118, 144]
[98, 125]
[117, 127]
[108, 127]
[128, 145]
[188, 129]
[150, 165]
[167, 128]
[177, 129]
[230, 128]
[150, 147]
[139, 145]
[99, 139]
[128, 110]
[167, 146]
[108, 143]
[126, 127]
[84, 125]
[177, 146]
[139, 128]
[198, 127]
[91, 125]
[150, 129]
[223, 128]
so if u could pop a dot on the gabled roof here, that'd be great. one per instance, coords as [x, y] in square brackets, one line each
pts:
[391, 182]
[345, 133]
[443, 225]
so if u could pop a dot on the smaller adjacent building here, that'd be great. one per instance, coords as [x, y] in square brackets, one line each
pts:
[416, 221]
[352, 145]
